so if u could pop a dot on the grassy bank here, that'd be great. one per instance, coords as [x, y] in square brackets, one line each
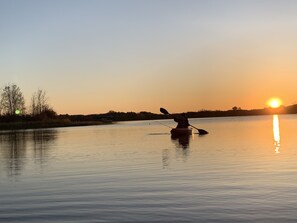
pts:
[48, 124]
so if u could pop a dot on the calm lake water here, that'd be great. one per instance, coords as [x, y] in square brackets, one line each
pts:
[245, 170]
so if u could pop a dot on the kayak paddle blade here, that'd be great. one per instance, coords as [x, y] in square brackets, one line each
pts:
[164, 111]
[202, 132]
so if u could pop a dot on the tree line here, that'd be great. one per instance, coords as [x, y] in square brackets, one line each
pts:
[12, 104]
[234, 111]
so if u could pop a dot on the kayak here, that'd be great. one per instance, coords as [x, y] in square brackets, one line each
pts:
[181, 132]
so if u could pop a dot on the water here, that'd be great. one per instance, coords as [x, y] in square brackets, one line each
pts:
[245, 170]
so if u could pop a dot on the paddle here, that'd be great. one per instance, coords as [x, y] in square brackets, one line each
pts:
[200, 131]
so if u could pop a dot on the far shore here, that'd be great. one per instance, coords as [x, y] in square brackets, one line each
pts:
[15, 122]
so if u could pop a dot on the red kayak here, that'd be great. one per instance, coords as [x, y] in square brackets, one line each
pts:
[181, 131]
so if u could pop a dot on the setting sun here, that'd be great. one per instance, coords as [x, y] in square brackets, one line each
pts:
[274, 102]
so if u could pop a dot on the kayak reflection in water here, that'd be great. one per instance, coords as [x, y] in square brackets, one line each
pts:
[181, 141]
[182, 121]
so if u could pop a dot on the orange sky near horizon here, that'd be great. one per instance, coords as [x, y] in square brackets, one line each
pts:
[96, 56]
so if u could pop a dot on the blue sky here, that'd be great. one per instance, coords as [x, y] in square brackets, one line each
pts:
[96, 56]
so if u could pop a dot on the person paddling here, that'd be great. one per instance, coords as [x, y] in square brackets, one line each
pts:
[182, 121]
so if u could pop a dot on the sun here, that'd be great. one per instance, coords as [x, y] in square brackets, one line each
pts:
[274, 102]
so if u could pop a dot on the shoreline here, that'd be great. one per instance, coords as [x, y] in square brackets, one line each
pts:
[61, 123]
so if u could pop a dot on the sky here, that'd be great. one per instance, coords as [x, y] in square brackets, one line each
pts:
[130, 55]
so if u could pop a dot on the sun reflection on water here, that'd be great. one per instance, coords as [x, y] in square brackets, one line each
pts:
[276, 134]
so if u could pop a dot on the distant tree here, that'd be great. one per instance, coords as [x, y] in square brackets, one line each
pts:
[40, 107]
[39, 102]
[235, 108]
[12, 100]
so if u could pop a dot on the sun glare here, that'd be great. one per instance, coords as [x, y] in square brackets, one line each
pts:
[274, 102]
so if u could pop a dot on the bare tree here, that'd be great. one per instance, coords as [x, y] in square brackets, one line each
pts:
[39, 102]
[0, 107]
[12, 100]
